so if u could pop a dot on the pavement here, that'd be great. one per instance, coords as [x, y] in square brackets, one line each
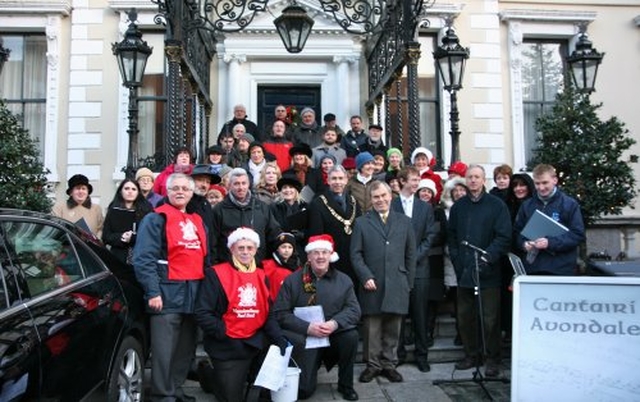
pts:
[417, 386]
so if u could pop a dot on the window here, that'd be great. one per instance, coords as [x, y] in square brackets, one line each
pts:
[24, 82]
[542, 79]
[151, 103]
[42, 255]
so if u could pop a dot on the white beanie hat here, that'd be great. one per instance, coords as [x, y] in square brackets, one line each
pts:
[243, 234]
[430, 184]
[322, 242]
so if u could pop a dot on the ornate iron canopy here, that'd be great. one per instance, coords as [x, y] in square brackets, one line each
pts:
[355, 16]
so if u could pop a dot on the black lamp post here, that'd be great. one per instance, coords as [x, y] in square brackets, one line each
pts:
[584, 62]
[451, 59]
[294, 27]
[4, 55]
[132, 53]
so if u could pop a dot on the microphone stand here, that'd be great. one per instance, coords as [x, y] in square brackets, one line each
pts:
[477, 376]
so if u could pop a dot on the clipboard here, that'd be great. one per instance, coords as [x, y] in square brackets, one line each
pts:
[542, 225]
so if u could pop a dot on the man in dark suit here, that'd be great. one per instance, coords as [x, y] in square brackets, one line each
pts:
[422, 220]
[334, 213]
[383, 254]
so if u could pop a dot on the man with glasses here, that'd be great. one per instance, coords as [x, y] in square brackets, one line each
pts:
[169, 260]
[144, 177]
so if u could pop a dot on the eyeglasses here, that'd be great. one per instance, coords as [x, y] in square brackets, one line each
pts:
[175, 189]
[145, 180]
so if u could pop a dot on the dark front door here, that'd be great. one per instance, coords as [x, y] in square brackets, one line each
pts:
[300, 96]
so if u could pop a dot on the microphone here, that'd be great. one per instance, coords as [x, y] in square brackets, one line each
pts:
[475, 248]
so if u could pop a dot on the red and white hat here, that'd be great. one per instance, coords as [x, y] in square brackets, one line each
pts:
[243, 233]
[322, 242]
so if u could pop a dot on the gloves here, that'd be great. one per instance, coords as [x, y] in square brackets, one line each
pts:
[282, 344]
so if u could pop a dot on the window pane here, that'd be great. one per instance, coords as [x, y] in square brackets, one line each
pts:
[542, 78]
[429, 127]
[151, 116]
[44, 256]
[24, 83]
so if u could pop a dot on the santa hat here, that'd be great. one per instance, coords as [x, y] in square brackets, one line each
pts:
[243, 234]
[422, 150]
[459, 168]
[322, 242]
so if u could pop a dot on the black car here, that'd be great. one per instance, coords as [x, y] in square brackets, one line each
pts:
[72, 323]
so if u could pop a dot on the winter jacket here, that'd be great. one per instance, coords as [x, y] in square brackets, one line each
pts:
[484, 223]
[560, 257]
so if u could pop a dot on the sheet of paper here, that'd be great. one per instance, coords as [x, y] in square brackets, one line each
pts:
[274, 368]
[312, 314]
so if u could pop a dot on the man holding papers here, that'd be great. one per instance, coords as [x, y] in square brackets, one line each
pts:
[318, 304]
[551, 249]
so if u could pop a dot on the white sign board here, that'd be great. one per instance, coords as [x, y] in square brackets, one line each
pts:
[576, 339]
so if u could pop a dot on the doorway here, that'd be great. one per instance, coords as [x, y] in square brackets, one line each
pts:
[300, 96]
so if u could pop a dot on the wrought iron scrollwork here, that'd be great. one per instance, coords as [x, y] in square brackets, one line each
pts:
[356, 16]
[227, 15]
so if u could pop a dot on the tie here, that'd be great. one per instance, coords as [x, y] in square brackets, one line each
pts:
[384, 218]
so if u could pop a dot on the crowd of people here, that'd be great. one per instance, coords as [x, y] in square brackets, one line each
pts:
[306, 215]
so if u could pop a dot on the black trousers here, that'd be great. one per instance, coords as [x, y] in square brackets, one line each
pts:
[230, 378]
[468, 322]
[420, 321]
[343, 349]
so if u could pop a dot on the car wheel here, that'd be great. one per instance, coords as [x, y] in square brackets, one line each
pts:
[126, 380]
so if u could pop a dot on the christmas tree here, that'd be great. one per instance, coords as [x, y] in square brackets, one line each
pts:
[23, 180]
[587, 154]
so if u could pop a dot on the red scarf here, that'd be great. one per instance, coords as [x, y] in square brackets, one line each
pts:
[186, 244]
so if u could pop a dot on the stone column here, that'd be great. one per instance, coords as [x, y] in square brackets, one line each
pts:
[234, 61]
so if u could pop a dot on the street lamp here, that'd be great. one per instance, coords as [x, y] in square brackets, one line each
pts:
[450, 60]
[294, 27]
[584, 62]
[4, 54]
[132, 53]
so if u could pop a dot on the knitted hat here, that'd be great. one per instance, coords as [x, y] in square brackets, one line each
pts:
[459, 168]
[218, 188]
[307, 110]
[224, 170]
[285, 237]
[430, 184]
[349, 163]
[362, 158]
[144, 172]
[243, 233]
[247, 137]
[422, 150]
[322, 242]
[392, 151]
[78, 180]
[327, 156]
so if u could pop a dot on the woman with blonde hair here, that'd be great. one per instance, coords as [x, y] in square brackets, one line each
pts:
[267, 187]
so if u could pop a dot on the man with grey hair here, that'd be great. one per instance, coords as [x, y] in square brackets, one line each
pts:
[481, 220]
[383, 254]
[308, 132]
[169, 260]
[240, 117]
[240, 208]
[334, 213]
